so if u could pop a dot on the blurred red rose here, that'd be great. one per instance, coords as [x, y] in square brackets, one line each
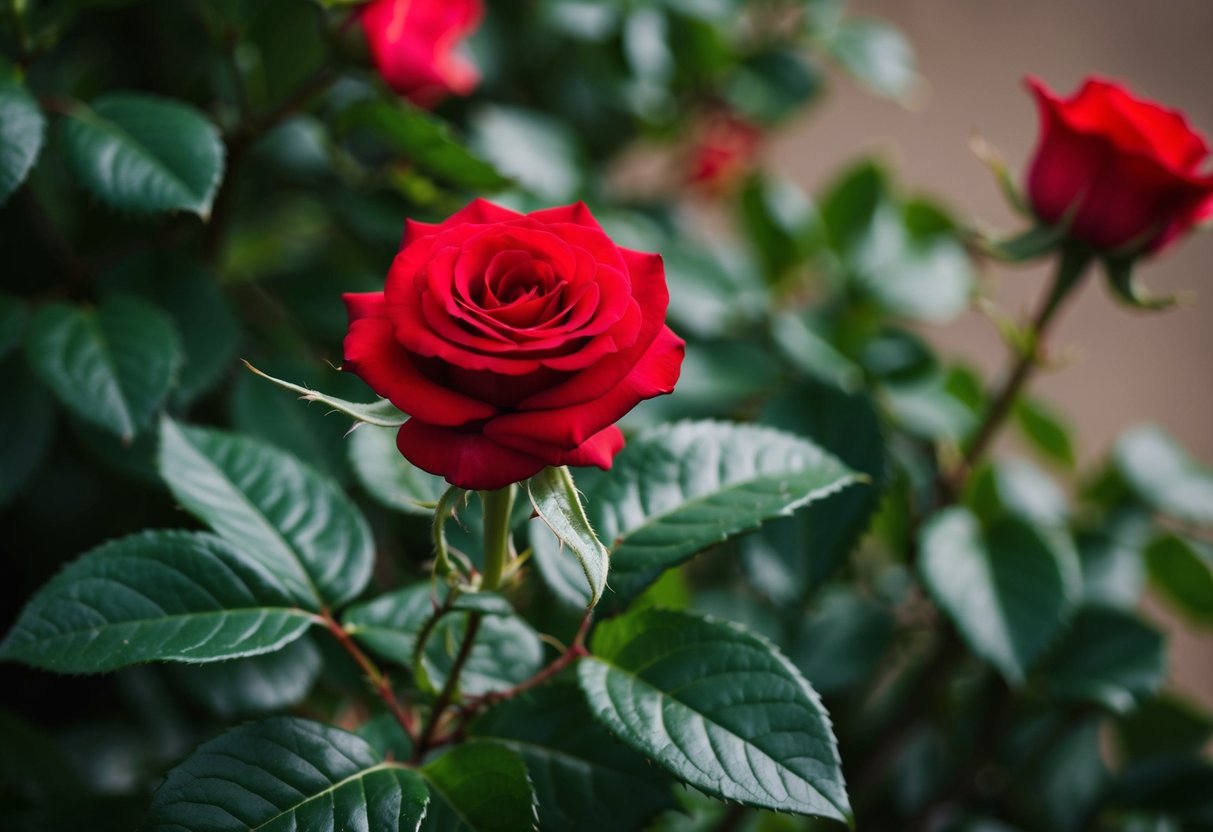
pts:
[414, 46]
[514, 342]
[1124, 173]
[723, 151]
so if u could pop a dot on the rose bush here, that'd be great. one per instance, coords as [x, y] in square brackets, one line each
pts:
[514, 342]
[414, 44]
[1123, 173]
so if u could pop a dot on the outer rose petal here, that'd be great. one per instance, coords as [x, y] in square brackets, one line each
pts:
[568, 427]
[468, 460]
[372, 354]
[599, 450]
[364, 305]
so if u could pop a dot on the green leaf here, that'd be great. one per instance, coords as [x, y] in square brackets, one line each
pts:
[825, 533]
[1046, 430]
[144, 153]
[1108, 657]
[288, 774]
[27, 425]
[253, 686]
[479, 787]
[1010, 589]
[538, 151]
[877, 55]
[584, 779]
[386, 735]
[774, 85]
[782, 225]
[1163, 727]
[1182, 570]
[426, 141]
[382, 413]
[1017, 487]
[507, 650]
[192, 299]
[112, 366]
[799, 342]
[677, 489]
[162, 595]
[22, 132]
[1112, 557]
[283, 514]
[13, 317]
[1163, 475]
[558, 505]
[390, 478]
[717, 707]
[842, 641]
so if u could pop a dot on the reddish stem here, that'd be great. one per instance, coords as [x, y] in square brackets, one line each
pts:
[380, 682]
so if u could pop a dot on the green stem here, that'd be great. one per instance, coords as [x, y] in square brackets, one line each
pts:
[498, 505]
[1070, 270]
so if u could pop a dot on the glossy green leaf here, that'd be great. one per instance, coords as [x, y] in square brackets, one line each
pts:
[717, 707]
[792, 555]
[1017, 487]
[13, 316]
[161, 595]
[382, 412]
[1029, 245]
[583, 778]
[255, 685]
[1046, 430]
[22, 132]
[1163, 727]
[390, 478]
[283, 514]
[191, 297]
[287, 774]
[798, 340]
[112, 366]
[1010, 589]
[536, 150]
[1112, 557]
[781, 223]
[1108, 657]
[144, 153]
[677, 489]
[27, 425]
[1182, 570]
[425, 141]
[386, 735]
[842, 641]
[1164, 476]
[877, 55]
[558, 505]
[479, 787]
[389, 624]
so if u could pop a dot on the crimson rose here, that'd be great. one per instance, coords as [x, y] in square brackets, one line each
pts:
[514, 342]
[1123, 173]
[413, 44]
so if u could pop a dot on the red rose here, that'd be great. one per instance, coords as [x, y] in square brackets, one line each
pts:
[1124, 173]
[723, 150]
[514, 342]
[413, 44]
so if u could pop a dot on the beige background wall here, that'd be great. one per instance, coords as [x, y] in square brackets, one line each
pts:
[1127, 368]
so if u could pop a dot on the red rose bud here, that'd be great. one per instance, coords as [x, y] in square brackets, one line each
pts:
[414, 46]
[723, 151]
[1122, 173]
[514, 342]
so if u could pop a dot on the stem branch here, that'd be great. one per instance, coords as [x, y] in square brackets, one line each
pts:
[379, 681]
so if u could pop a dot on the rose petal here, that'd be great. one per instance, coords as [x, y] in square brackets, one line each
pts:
[467, 460]
[372, 354]
[364, 305]
[655, 374]
[599, 450]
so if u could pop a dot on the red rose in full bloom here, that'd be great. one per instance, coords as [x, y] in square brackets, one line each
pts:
[1125, 174]
[414, 46]
[514, 342]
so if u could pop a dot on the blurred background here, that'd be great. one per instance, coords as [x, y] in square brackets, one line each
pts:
[1118, 369]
